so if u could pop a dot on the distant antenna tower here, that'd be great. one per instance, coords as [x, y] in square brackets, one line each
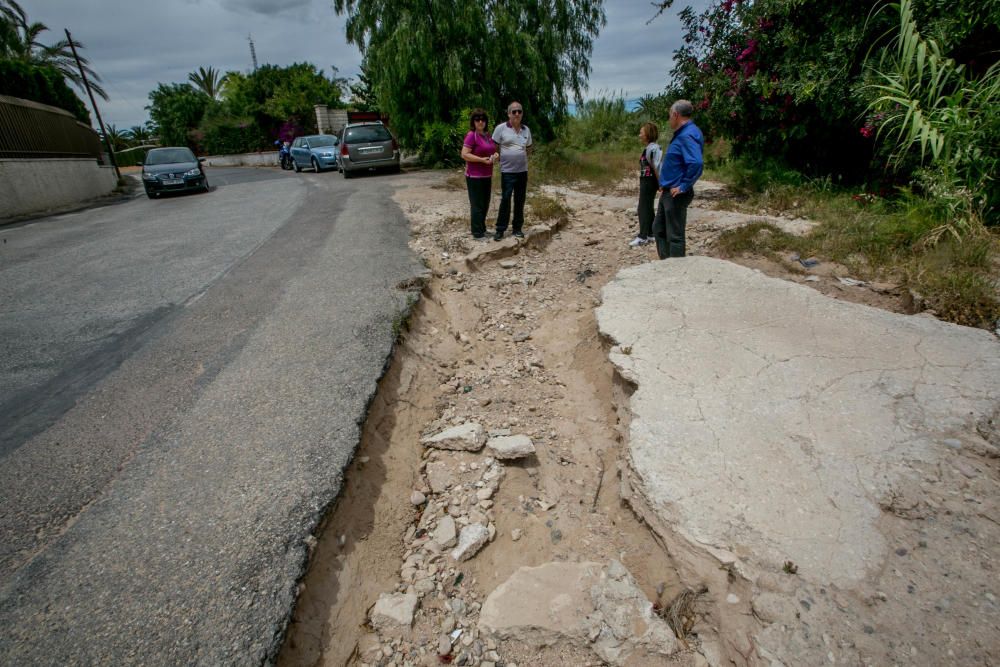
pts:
[253, 52]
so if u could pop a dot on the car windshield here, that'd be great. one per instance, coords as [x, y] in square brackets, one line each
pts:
[357, 135]
[319, 142]
[170, 156]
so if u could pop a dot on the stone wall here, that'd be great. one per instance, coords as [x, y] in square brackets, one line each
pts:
[32, 186]
[330, 121]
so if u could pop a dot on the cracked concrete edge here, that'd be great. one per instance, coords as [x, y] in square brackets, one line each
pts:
[312, 528]
[537, 236]
[697, 564]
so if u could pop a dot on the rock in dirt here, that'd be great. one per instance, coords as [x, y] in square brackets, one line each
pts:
[584, 604]
[439, 476]
[417, 498]
[510, 447]
[471, 540]
[445, 533]
[469, 437]
[394, 609]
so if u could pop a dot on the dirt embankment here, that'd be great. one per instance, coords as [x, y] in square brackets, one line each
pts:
[509, 342]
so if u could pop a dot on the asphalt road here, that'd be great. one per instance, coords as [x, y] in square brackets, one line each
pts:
[181, 388]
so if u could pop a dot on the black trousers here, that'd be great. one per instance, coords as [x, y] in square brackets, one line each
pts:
[479, 202]
[515, 185]
[648, 185]
[670, 223]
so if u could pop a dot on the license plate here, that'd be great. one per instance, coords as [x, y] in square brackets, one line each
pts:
[173, 181]
[368, 151]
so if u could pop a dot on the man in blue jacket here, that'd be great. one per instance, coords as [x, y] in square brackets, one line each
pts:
[681, 167]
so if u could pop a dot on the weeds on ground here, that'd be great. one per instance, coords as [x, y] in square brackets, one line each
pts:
[877, 239]
[547, 209]
[600, 170]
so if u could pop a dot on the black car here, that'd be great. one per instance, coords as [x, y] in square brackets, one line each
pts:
[172, 170]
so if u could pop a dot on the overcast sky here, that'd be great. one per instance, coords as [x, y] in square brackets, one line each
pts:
[134, 45]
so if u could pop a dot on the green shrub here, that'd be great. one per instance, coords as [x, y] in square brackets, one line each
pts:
[40, 83]
[602, 123]
[228, 136]
[441, 144]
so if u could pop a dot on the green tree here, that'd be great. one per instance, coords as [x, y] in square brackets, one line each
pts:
[429, 59]
[117, 138]
[786, 79]
[272, 95]
[176, 109]
[925, 100]
[19, 40]
[209, 81]
[362, 92]
[139, 134]
[40, 83]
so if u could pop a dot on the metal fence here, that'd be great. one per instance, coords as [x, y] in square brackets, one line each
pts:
[32, 130]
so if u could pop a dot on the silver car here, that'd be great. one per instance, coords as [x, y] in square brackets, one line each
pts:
[318, 151]
[365, 146]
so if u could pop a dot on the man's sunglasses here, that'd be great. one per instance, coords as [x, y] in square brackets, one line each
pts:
[517, 111]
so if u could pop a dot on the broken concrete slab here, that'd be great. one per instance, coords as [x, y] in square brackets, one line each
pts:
[772, 430]
[584, 604]
[509, 447]
[394, 609]
[470, 541]
[468, 437]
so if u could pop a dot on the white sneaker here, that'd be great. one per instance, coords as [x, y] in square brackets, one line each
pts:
[637, 241]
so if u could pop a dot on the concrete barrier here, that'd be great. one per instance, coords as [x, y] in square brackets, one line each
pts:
[33, 186]
[266, 159]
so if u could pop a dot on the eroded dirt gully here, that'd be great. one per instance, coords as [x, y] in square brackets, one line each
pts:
[508, 341]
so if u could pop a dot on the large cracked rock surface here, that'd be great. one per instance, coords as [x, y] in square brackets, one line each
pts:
[771, 424]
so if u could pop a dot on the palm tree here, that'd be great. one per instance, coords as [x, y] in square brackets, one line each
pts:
[209, 81]
[116, 137]
[19, 41]
[138, 135]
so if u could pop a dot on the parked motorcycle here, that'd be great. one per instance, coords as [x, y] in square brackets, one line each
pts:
[284, 154]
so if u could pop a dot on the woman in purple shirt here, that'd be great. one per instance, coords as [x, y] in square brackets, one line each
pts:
[479, 152]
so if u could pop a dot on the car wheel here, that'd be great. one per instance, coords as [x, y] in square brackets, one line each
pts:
[298, 169]
[315, 165]
[347, 174]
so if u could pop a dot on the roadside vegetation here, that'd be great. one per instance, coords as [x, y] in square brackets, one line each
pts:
[882, 124]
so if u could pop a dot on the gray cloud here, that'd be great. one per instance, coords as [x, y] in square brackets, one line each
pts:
[632, 58]
[266, 7]
[135, 45]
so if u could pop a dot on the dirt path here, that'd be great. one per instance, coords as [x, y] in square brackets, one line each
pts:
[508, 342]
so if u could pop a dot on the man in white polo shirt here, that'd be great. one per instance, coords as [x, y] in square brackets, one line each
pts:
[514, 140]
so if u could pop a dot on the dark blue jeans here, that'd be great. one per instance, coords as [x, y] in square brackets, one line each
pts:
[670, 223]
[516, 185]
[479, 203]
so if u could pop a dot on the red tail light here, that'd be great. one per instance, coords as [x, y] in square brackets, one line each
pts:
[343, 149]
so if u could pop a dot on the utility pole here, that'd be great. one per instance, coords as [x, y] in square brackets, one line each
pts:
[100, 123]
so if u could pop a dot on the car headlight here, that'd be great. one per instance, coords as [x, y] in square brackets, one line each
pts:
[148, 176]
[193, 172]
[327, 154]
